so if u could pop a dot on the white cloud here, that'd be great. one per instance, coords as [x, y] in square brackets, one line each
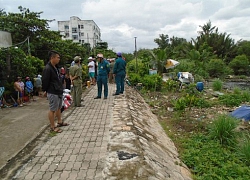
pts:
[122, 20]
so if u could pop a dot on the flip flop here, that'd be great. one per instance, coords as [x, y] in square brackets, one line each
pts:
[62, 124]
[55, 130]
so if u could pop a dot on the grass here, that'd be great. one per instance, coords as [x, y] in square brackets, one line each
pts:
[210, 147]
[244, 150]
[223, 130]
[217, 85]
[208, 159]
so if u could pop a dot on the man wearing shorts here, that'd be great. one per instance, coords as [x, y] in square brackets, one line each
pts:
[91, 67]
[53, 87]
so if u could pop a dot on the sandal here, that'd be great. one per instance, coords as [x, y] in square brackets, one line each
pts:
[62, 124]
[55, 130]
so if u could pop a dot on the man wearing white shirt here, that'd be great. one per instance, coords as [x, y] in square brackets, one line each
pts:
[91, 66]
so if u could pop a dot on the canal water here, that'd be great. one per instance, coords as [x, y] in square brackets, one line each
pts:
[233, 84]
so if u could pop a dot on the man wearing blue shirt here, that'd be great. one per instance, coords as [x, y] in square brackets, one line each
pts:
[119, 73]
[102, 76]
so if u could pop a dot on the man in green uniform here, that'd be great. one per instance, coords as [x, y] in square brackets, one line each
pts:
[119, 73]
[102, 76]
[75, 73]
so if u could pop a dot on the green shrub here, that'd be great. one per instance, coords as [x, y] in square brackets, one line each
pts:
[232, 100]
[217, 85]
[171, 85]
[245, 96]
[134, 78]
[142, 68]
[185, 66]
[191, 89]
[152, 82]
[179, 104]
[223, 129]
[208, 160]
[240, 65]
[237, 90]
[202, 103]
[189, 100]
[217, 68]
[244, 150]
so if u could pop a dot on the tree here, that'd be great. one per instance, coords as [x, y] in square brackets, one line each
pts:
[24, 24]
[159, 57]
[27, 25]
[217, 68]
[222, 45]
[162, 41]
[240, 65]
[243, 47]
[102, 45]
[41, 39]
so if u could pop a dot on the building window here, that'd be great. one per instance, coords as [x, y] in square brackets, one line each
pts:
[82, 34]
[66, 27]
[75, 37]
[74, 30]
[82, 26]
[82, 41]
[66, 35]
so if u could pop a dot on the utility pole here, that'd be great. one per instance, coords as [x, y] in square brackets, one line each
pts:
[136, 65]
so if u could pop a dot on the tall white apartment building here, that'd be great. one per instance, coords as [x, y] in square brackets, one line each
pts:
[80, 31]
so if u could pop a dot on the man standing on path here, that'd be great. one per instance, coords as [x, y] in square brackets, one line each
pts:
[75, 74]
[91, 66]
[102, 76]
[53, 87]
[119, 73]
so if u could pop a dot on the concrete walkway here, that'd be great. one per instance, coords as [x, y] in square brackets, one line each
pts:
[118, 138]
[19, 125]
[78, 152]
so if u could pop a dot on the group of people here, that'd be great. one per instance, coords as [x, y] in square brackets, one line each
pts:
[26, 88]
[52, 84]
[107, 71]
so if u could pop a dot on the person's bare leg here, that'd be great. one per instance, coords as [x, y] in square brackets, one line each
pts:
[59, 116]
[21, 100]
[60, 122]
[91, 80]
[51, 116]
[18, 101]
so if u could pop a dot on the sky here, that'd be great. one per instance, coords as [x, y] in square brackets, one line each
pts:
[125, 24]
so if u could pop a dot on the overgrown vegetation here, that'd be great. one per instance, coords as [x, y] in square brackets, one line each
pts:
[210, 144]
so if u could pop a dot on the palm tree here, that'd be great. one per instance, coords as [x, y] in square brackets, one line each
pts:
[159, 58]
[222, 45]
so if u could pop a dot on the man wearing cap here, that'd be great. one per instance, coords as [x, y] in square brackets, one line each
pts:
[91, 66]
[75, 74]
[119, 72]
[102, 76]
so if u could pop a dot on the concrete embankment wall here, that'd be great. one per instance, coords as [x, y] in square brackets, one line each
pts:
[138, 146]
